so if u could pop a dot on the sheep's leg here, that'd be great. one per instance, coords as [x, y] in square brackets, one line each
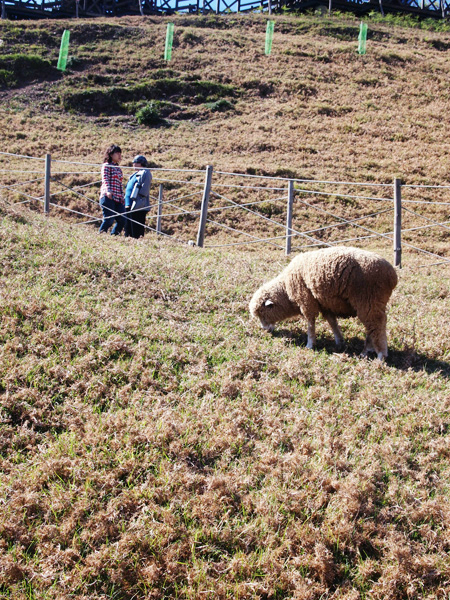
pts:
[375, 324]
[332, 321]
[368, 346]
[309, 308]
[311, 333]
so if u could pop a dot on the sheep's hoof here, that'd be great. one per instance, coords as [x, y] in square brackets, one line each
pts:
[380, 356]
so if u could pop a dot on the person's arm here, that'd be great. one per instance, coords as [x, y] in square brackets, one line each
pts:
[128, 190]
[107, 179]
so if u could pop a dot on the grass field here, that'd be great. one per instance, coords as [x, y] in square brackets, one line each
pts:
[156, 443]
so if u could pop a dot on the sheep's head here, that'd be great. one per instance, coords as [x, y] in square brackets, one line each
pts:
[271, 304]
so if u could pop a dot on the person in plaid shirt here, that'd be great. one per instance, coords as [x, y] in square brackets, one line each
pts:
[111, 193]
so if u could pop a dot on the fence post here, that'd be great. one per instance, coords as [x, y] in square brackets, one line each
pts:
[48, 163]
[290, 205]
[204, 209]
[160, 204]
[397, 223]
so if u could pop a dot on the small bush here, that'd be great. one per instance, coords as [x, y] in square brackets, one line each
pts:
[7, 78]
[24, 66]
[221, 105]
[149, 114]
[73, 62]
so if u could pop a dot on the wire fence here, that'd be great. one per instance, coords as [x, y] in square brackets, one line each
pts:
[219, 209]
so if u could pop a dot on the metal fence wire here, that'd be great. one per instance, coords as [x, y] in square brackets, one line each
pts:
[218, 209]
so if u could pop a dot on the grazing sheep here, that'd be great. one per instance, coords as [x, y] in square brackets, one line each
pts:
[337, 282]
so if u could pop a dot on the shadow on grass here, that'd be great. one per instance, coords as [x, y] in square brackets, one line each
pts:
[400, 359]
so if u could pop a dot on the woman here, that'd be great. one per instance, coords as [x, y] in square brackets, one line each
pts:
[137, 202]
[111, 192]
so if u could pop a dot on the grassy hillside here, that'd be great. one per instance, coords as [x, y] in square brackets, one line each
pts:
[157, 444]
[154, 442]
[314, 107]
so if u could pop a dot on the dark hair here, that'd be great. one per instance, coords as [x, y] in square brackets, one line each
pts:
[110, 151]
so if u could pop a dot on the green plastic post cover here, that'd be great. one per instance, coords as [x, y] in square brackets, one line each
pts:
[269, 36]
[169, 42]
[63, 51]
[362, 38]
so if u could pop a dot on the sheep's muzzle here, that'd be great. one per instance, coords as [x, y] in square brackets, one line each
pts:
[267, 326]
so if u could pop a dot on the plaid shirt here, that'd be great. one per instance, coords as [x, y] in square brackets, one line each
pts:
[112, 178]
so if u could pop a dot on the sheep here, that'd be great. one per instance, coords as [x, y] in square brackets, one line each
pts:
[336, 282]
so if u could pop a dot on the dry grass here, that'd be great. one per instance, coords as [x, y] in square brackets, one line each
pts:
[156, 444]
[153, 442]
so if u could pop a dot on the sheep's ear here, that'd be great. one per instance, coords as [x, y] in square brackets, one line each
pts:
[268, 303]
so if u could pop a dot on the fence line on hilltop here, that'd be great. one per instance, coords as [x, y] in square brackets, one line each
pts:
[216, 200]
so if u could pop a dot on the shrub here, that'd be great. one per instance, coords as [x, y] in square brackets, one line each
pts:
[221, 105]
[149, 114]
[22, 66]
[7, 78]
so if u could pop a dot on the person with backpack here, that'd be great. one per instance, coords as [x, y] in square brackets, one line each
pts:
[137, 201]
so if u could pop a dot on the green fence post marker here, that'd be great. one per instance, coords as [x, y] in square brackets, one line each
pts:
[269, 36]
[169, 42]
[63, 51]
[362, 38]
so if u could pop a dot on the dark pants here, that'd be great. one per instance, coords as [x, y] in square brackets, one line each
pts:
[112, 211]
[135, 224]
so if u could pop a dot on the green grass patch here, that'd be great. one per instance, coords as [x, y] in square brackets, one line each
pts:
[15, 68]
[113, 99]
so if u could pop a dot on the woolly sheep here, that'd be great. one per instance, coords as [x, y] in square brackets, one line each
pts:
[336, 282]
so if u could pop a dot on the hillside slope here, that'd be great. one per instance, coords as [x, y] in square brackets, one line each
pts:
[314, 108]
[156, 444]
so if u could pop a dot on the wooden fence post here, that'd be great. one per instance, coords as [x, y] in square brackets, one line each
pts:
[290, 205]
[160, 205]
[397, 223]
[204, 209]
[48, 163]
